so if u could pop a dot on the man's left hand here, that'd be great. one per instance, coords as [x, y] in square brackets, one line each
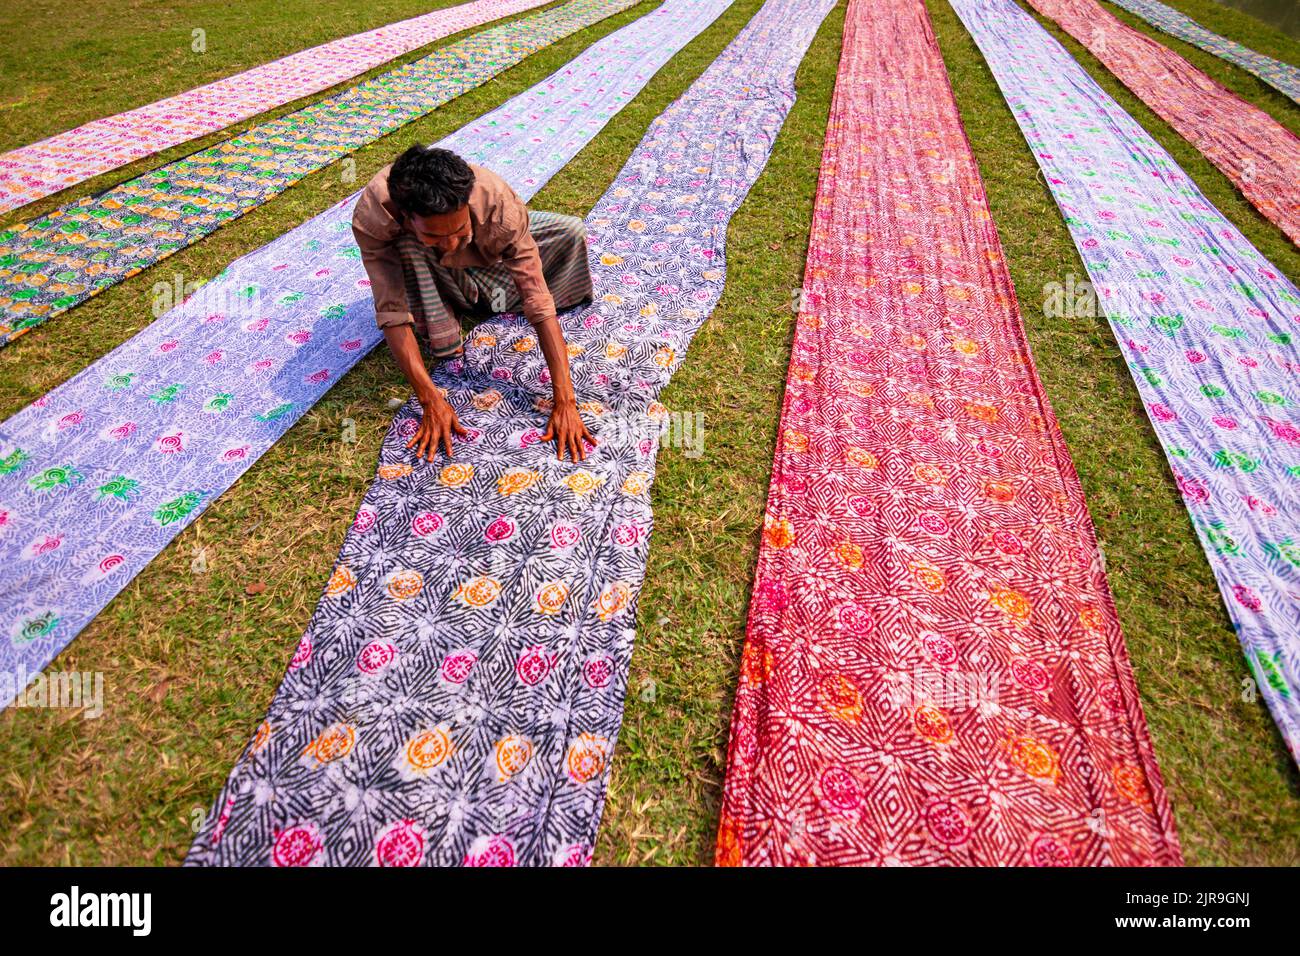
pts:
[569, 432]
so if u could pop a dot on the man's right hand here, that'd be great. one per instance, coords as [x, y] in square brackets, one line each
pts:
[437, 425]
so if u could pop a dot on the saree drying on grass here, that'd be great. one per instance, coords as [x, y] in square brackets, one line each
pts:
[933, 670]
[1207, 325]
[457, 695]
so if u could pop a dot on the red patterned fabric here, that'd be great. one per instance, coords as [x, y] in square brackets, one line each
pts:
[1255, 151]
[933, 671]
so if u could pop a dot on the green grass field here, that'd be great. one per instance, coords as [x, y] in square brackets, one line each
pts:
[192, 659]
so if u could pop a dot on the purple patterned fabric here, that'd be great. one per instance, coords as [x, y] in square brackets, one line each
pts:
[1208, 327]
[97, 476]
[457, 695]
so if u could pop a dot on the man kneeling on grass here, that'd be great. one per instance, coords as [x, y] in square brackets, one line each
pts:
[442, 240]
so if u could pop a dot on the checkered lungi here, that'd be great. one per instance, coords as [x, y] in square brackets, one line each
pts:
[439, 297]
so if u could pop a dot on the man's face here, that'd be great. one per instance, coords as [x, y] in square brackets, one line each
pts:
[445, 232]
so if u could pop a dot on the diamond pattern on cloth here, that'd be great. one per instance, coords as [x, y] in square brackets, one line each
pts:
[933, 671]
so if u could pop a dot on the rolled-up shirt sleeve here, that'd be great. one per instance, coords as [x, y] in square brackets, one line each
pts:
[375, 231]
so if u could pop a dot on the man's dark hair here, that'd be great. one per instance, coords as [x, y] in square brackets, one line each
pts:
[429, 181]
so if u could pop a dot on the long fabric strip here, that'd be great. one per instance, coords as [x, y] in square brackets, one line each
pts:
[99, 475]
[1206, 324]
[1283, 77]
[31, 172]
[53, 263]
[1255, 151]
[458, 692]
[933, 669]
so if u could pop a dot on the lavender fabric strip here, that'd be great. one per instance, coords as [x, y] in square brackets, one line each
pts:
[1283, 77]
[99, 475]
[1205, 322]
[457, 695]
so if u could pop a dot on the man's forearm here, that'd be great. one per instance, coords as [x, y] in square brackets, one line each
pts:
[406, 352]
[556, 351]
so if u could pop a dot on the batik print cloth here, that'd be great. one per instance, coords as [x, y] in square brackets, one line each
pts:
[933, 671]
[57, 261]
[31, 172]
[1283, 77]
[1255, 151]
[99, 475]
[1206, 324]
[457, 695]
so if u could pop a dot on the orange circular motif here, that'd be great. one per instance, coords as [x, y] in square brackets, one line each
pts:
[984, 412]
[1092, 618]
[862, 389]
[613, 598]
[849, 555]
[755, 665]
[636, 483]
[586, 758]
[479, 592]
[486, 401]
[932, 724]
[862, 458]
[516, 480]
[389, 472]
[261, 738]
[930, 475]
[583, 482]
[551, 597]
[928, 577]
[965, 346]
[1131, 782]
[1000, 491]
[777, 532]
[340, 582]
[839, 697]
[1035, 758]
[795, 441]
[334, 742]
[512, 755]
[456, 475]
[403, 585]
[1011, 603]
[526, 344]
[428, 749]
[614, 350]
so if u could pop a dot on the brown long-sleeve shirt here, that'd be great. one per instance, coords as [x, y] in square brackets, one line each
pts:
[499, 234]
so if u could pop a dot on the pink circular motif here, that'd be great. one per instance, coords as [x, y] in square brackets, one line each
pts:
[400, 844]
[947, 823]
[457, 665]
[491, 851]
[565, 535]
[855, 620]
[860, 506]
[1030, 674]
[408, 427]
[365, 520]
[111, 563]
[1247, 598]
[942, 650]
[626, 535]
[598, 671]
[296, 846]
[375, 656]
[235, 454]
[533, 665]
[1049, 851]
[73, 418]
[426, 523]
[1007, 543]
[933, 523]
[302, 654]
[1111, 697]
[124, 430]
[170, 444]
[839, 790]
[500, 530]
